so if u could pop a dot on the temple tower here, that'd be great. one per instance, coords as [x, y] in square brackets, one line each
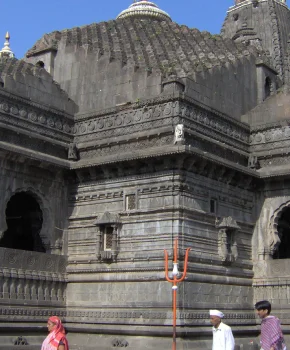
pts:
[265, 21]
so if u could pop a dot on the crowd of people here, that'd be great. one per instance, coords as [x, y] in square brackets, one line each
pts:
[271, 337]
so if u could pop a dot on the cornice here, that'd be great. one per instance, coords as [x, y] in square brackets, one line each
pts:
[21, 152]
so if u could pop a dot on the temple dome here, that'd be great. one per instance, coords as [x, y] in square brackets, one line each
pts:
[145, 9]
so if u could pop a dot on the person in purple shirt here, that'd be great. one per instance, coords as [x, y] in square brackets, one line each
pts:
[271, 333]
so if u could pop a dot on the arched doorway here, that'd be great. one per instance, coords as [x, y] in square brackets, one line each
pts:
[24, 221]
[283, 228]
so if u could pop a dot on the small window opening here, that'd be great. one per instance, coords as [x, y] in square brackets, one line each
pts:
[229, 242]
[40, 64]
[213, 206]
[108, 238]
[268, 87]
[130, 202]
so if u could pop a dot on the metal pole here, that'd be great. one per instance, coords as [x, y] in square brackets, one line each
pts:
[174, 320]
[175, 281]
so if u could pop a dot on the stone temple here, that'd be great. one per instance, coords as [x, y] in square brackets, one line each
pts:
[118, 137]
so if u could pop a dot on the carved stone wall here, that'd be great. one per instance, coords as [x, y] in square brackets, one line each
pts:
[132, 289]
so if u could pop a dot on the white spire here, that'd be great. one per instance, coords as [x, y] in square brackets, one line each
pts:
[6, 51]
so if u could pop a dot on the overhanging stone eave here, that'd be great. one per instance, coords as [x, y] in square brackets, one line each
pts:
[140, 154]
[161, 152]
[223, 162]
[275, 171]
[34, 155]
[41, 51]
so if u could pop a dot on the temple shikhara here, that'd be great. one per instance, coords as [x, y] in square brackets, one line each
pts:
[118, 137]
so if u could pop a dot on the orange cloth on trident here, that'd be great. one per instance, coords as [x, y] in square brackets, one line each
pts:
[51, 342]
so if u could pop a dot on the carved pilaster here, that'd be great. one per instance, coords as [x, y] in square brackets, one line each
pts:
[98, 243]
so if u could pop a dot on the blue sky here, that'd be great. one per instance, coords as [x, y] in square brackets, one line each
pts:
[28, 20]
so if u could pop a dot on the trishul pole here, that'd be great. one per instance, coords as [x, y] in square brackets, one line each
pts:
[175, 280]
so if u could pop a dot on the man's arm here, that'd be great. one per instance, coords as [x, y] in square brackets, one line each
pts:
[230, 341]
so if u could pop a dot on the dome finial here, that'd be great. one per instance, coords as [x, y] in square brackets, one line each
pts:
[6, 51]
[144, 9]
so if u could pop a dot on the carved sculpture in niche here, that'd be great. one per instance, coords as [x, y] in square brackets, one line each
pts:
[72, 152]
[253, 162]
[179, 134]
[107, 237]
[227, 239]
[279, 225]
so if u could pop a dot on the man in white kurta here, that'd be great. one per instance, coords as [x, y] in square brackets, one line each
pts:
[222, 334]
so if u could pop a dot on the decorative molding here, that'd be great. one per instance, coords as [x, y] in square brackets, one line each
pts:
[35, 119]
[35, 263]
[93, 316]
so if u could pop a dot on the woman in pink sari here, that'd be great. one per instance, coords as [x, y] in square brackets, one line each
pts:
[56, 339]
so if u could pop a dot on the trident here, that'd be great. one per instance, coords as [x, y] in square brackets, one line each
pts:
[175, 280]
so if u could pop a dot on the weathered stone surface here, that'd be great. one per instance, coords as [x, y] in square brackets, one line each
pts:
[126, 135]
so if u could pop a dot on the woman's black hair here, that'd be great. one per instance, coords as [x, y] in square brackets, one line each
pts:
[263, 305]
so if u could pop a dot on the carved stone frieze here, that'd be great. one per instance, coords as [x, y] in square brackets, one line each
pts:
[34, 118]
[126, 122]
[93, 316]
[201, 116]
[96, 196]
[275, 161]
[270, 136]
[152, 117]
[21, 259]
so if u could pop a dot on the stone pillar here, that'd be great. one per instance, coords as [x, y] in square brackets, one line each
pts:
[114, 242]
[98, 243]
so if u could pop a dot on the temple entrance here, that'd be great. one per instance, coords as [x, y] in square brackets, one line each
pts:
[24, 221]
[283, 251]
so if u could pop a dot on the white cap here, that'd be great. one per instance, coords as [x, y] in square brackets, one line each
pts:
[216, 313]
